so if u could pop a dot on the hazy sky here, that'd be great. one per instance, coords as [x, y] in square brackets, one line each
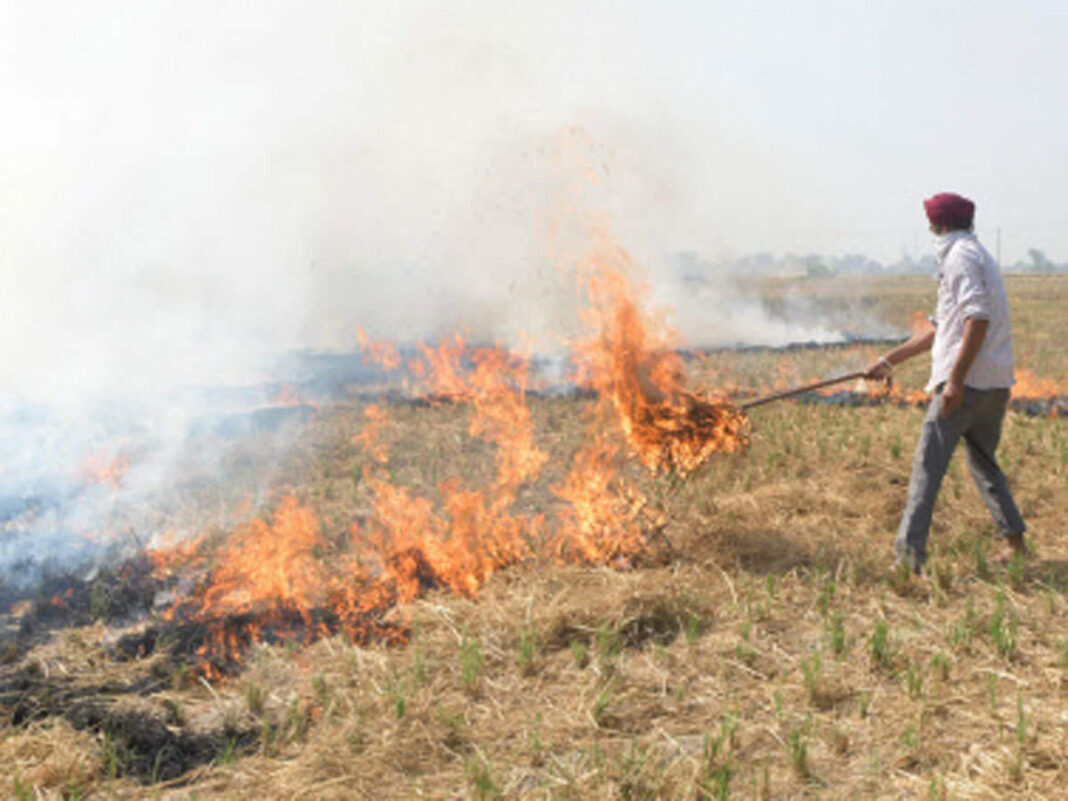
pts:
[167, 168]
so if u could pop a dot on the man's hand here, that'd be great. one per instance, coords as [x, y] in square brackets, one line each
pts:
[879, 370]
[920, 342]
[972, 341]
[952, 395]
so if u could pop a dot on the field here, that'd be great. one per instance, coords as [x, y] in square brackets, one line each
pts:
[759, 645]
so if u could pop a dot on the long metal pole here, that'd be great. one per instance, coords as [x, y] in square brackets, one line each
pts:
[799, 390]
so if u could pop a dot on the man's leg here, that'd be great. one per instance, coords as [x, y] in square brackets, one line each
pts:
[981, 439]
[938, 438]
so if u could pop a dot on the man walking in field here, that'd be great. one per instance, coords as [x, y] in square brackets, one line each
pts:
[971, 372]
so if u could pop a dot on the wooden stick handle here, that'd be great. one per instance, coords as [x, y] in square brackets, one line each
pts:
[799, 390]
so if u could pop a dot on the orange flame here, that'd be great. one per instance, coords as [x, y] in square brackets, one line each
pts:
[172, 557]
[599, 525]
[101, 468]
[920, 323]
[269, 565]
[1033, 387]
[287, 396]
[383, 353]
[369, 438]
[275, 576]
[630, 363]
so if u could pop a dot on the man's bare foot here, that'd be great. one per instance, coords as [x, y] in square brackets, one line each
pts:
[1014, 547]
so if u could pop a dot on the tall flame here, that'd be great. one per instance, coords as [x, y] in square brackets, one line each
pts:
[631, 363]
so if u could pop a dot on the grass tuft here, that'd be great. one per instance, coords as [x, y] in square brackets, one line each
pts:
[1003, 626]
[880, 647]
[470, 663]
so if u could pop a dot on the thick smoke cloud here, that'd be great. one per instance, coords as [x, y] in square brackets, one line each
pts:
[186, 191]
[189, 191]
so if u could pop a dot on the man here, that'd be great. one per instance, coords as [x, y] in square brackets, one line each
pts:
[971, 373]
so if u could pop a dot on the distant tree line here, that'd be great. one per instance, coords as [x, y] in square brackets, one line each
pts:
[1037, 263]
[694, 267]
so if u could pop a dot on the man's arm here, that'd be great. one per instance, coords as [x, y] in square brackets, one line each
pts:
[974, 334]
[920, 342]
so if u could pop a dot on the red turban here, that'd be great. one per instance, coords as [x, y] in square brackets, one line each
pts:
[949, 210]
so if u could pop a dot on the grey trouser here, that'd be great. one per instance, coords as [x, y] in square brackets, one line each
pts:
[978, 420]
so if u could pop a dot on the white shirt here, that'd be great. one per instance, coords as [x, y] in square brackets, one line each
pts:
[970, 285]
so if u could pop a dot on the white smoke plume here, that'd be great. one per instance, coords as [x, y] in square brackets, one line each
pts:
[190, 190]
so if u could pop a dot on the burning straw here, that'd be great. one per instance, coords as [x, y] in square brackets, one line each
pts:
[632, 364]
[280, 579]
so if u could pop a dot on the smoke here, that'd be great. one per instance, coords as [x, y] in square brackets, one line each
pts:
[723, 315]
[190, 193]
[187, 193]
[719, 306]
